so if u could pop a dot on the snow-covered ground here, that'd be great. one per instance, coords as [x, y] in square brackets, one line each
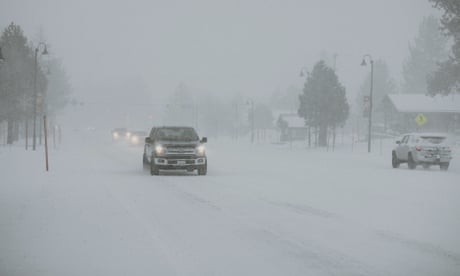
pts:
[261, 210]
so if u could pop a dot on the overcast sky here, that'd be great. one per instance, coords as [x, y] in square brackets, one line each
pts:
[251, 47]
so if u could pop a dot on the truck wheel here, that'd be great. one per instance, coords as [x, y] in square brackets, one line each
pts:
[153, 168]
[394, 160]
[203, 170]
[145, 162]
[410, 162]
[444, 166]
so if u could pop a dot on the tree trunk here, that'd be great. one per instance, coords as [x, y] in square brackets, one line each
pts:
[333, 138]
[322, 136]
[16, 131]
[9, 132]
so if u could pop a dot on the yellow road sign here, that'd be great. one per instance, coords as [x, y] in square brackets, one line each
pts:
[420, 119]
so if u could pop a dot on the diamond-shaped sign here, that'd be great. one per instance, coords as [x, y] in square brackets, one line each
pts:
[420, 120]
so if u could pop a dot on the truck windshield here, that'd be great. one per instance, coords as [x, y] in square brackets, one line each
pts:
[177, 134]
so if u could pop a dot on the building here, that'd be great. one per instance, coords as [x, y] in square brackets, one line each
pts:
[292, 127]
[415, 112]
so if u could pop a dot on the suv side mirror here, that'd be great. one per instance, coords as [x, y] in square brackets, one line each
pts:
[204, 140]
[148, 140]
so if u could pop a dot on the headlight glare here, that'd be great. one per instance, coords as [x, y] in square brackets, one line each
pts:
[159, 150]
[200, 150]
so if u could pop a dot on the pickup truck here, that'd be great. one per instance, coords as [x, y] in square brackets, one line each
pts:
[174, 148]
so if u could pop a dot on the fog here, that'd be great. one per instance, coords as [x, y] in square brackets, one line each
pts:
[250, 48]
[236, 137]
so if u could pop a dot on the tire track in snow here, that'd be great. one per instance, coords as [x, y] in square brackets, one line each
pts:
[304, 209]
[419, 246]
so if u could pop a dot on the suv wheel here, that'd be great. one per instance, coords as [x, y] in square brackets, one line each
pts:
[444, 166]
[394, 160]
[410, 162]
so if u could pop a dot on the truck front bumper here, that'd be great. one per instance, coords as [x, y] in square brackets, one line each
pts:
[174, 163]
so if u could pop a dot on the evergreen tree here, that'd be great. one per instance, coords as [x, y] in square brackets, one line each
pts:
[427, 50]
[16, 78]
[446, 79]
[323, 103]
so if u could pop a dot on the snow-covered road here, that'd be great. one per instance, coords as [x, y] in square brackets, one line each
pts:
[261, 210]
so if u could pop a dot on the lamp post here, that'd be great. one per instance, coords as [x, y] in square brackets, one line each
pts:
[363, 63]
[44, 52]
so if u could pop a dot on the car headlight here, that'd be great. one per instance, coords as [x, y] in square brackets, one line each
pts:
[159, 150]
[200, 150]
[115, 135]
[128, 134]
[135, 139]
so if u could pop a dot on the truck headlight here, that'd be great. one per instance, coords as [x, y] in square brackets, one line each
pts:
[159, 150]
[200, 150]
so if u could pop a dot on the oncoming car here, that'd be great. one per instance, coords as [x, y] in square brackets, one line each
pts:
[137, 137]
[424, 149]
[119, 134]
[175, 148]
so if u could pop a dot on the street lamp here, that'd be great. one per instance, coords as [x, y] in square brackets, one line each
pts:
[44, 52]
[363, 63]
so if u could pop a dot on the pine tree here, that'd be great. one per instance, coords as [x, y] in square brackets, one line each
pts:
[427, 50]
[446, 79]
[323, 103]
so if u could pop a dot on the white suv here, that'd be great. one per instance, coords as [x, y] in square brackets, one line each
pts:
[422, 149]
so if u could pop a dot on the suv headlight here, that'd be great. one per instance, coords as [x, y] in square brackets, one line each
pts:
[159, 150]
[200, 150]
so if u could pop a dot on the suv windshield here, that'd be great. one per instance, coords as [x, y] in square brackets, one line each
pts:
[177, 134]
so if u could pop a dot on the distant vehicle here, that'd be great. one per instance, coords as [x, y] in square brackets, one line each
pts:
[175, 148]
[424, 149]
[119, 134]
[137, 137]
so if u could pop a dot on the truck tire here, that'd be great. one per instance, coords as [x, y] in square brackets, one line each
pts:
[410, 162]
[394, 160]
[145, 162]
[153, 168]
[444, 166]
[203, 170]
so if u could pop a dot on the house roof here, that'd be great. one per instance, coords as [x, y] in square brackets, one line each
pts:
[416, 103]
[293, 120]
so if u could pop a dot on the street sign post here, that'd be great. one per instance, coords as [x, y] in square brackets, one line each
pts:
[420, 120]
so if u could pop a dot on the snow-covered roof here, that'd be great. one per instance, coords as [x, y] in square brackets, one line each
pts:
[293, 120]
[413, 103]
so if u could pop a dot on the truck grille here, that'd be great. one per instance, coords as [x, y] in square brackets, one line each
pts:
[180, 150]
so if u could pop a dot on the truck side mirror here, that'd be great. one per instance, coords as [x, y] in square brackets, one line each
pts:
[398, 142]
[148, 140]
[204, 140]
